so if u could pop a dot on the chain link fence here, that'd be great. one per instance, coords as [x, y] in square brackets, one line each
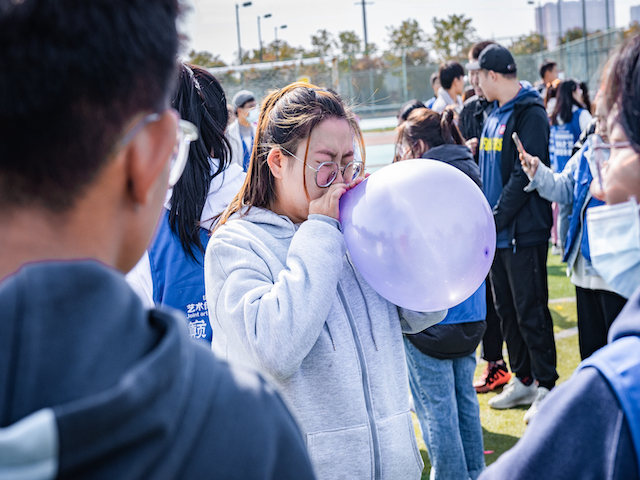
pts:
[380, 92]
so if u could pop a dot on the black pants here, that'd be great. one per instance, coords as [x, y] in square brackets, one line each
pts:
[492, 339]
[519, 281]
[597, 309]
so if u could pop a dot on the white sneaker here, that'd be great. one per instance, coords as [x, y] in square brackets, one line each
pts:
[514, 393]
[533, 409]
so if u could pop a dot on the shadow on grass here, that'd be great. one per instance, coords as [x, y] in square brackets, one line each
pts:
[557, 270]
[497, 443]
[563, 318]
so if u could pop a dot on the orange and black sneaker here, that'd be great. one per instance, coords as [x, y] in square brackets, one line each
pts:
[494, 376]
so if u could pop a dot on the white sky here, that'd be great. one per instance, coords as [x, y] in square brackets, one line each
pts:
[211, 25]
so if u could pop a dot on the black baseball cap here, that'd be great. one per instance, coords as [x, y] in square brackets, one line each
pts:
[494, 57]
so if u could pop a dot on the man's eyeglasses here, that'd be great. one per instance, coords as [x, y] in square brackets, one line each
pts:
[186, 133]
[327, 172]
[602, 152]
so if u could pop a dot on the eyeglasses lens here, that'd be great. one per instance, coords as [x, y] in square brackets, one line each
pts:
[327, 173]
[187, 133]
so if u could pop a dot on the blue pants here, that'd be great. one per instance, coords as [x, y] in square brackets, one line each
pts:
[447, 406]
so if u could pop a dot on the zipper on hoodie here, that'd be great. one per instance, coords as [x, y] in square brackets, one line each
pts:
[366, 305]
[365, 384]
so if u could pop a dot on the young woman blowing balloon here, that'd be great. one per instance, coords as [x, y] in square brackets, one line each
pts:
[285, 298]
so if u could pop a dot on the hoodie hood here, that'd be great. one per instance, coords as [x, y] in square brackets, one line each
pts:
[100, 372]
[276, 225]
[526, 96]
[449, 153]
[458, 156]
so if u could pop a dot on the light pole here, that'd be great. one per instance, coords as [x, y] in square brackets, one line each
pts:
[267, 15]
[245, 4]
[560, 22]
[538, 21]
[275, 30]
[584, 37]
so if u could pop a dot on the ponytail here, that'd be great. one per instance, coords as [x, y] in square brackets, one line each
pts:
[430, 127]
[448, 128]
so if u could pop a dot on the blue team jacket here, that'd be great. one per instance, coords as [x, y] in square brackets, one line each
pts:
[561, 141]
[178, 280]
[582, 181]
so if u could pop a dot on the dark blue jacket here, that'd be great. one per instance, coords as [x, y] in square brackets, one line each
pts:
[589, 426]
[92, 385]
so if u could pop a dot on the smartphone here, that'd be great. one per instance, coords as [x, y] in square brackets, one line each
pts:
[516, 140]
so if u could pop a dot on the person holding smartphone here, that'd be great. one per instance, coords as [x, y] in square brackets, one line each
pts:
[518, 275]
[588, 427]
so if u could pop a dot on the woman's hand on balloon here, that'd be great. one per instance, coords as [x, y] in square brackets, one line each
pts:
[529, 164]
[329, 203]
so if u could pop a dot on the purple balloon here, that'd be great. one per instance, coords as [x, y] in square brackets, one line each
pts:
[421, 233]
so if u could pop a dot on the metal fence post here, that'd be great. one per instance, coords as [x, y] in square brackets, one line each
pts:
[372, 98]
[404, 76]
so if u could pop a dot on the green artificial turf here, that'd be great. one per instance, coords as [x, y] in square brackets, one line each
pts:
[559, 284]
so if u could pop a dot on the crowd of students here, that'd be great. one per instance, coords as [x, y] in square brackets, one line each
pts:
[562, 147]
[109, 140]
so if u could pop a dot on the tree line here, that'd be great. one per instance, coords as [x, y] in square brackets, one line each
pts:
[451, 40]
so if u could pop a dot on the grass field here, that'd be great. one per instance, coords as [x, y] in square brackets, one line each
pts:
[503, 428]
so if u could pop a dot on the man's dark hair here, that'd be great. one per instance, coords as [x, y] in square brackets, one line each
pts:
[407, 108]
[73, 75]
[477, 48]
[547, 66]
[449, 72]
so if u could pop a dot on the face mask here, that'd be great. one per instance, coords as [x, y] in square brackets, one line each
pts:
[614, 243]
[252, 116]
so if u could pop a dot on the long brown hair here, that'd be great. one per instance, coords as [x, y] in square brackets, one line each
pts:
[430, 127]
[287, 118]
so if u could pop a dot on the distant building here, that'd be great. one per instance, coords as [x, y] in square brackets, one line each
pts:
[571, 17]
[635, 14]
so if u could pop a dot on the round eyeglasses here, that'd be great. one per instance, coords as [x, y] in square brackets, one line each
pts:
[327, 172]
[186, 132]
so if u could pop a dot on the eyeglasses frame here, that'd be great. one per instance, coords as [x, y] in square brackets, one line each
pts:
[341, 169]
[186, 133]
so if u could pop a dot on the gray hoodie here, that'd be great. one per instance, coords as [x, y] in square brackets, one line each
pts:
[287, 300]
